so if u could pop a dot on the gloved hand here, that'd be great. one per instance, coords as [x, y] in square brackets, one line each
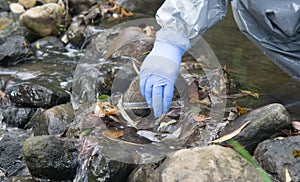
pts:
[158, 75]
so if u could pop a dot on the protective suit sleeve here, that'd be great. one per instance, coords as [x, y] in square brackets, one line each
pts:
[183, 20]
[273, 26]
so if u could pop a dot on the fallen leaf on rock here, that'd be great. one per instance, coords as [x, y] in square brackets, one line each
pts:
[199, 118]
[296, 153]
[287, 176]
[103, 109]
[230, 135]
[296, 125]
[113, 133]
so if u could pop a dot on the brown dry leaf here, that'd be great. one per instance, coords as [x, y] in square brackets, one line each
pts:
[103, 109]
[296, 125]
[230, 135]
[199, 118]
[125, 12]
[254, 94]
[113, 133]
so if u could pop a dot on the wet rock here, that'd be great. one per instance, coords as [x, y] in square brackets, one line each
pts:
[77, 6]
[212, 163]
[52, 121]
[29, 95]
[45, 19]
[276, 156]
[47, 42]
[50, 157]
[4, 5]
[5, 22]
[103, 168]
[16, 116]
[14, 50]
[94, 74]
[11, 160]
[132, 41]
[265, 122]
[16, 28]
[75, 33]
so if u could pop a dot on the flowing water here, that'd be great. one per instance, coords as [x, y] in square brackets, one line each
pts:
[242, 59]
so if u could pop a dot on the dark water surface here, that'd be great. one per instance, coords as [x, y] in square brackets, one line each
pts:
[249, 65]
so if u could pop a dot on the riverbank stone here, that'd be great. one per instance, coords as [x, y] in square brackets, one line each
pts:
[37, 96]
[212, 163]
[53, 121]
[264, 122]
[277, 157]
[45, 20]
[16, 116]
[14, 50]
[50, 157]
[11, 160]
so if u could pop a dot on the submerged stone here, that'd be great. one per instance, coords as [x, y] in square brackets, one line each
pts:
[50, 157]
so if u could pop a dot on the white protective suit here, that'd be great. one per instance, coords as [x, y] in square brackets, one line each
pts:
[273, 25]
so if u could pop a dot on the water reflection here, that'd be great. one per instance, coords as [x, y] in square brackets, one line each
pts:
[248, 64]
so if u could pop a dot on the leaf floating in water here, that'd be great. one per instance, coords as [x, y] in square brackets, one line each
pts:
[113, 133]
[254, 94]
[296, 153]
[230, 135]
[86, 132]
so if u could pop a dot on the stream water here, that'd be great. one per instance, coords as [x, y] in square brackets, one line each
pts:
[242, 59]
[249, 65]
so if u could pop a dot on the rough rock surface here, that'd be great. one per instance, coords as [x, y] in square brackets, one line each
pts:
[212, 163]
[14, 50]
[50, 157]
[45, 19]
[29, 95]
[264, 122]
[276, 156]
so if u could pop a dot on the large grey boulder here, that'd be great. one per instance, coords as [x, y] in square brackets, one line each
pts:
[212, 163]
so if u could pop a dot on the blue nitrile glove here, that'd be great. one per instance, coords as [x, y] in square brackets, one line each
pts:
[158, 75]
